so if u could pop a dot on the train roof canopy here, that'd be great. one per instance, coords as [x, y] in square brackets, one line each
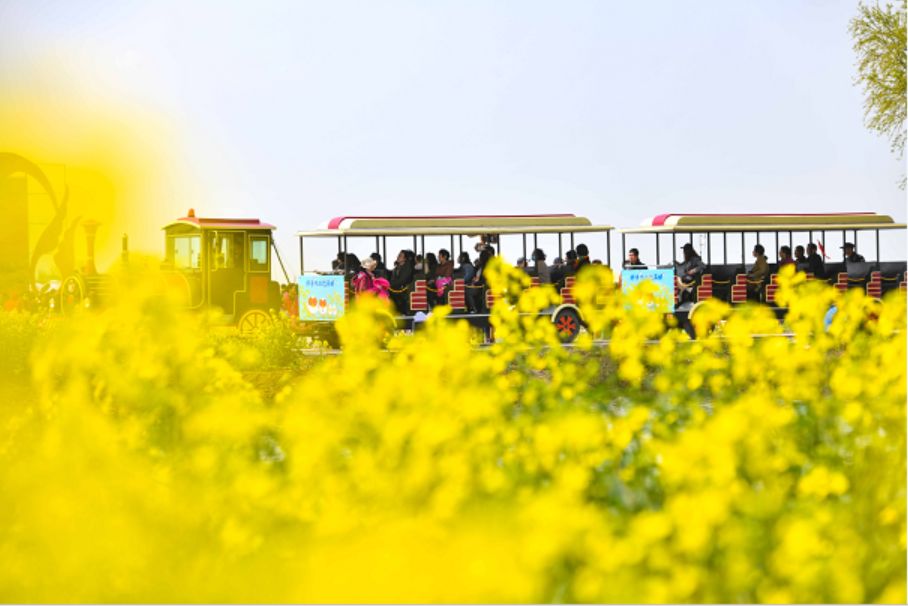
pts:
[191, 221]
[443, 225]
[699, 223]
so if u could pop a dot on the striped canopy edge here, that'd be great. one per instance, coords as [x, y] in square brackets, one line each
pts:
[489, 222]
[216, 223]
[780, 220]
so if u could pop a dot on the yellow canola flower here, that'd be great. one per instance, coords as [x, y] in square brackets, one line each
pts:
[145, 457]
[821, 482]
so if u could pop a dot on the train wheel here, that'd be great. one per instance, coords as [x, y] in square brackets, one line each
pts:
[700, 321]
[253, 321]
[567, 323]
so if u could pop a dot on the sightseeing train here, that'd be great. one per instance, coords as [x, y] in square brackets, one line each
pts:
[226, 263]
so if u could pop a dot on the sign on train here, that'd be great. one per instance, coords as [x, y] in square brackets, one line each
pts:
[321, 297]
[662, 297]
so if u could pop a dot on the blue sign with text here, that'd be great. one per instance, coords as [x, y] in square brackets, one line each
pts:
[321, 297]
[661, 295]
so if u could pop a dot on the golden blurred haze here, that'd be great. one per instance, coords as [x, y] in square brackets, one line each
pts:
[120, 162]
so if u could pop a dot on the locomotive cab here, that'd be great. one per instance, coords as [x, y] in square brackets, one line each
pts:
[224, 264]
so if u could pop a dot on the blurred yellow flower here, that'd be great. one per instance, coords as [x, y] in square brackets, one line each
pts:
[147, 456]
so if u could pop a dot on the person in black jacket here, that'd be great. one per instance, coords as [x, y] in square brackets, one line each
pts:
[476, 289]
[583, 257]
[851, 255]
[633, 260]
[815, 262]
[800, 258]
[568, 269]
[430, 273]
[402, 281]
[353, 266]
[688, 273]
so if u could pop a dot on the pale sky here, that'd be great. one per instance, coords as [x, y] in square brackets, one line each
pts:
[295, 112]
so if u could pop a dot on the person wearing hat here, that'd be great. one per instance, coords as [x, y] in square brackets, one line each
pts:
[851, 255]
[362, 281]
[366, 281]
[687, 273]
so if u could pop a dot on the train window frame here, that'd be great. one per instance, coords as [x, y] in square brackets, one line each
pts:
[258, 268]
[224, 258]
[197, 266]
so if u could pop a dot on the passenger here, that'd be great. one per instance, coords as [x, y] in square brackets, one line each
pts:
[522, 264]
[337, 265]
[430, 266]
[381, 287]
[484, 257]
[757, 274]
[687, 273]
[540, 269]
[815, 263]
[418, 265]
[445, 264]
[476, 290]
[569, 268]
[401, 280]
[352, 267]
[785, 257]
[851, 255]
[556, 270]
[633, 260]
[465, 271]
[484, 243]
[443, 275]
[583, 256]
[367, 282]
[570, 263]
[362, 281]
[380, 270]
[597, 262]
[799, 258]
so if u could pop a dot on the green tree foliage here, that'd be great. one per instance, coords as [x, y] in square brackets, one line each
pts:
[879, 41]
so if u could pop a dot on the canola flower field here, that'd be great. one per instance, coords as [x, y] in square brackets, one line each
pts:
[141, 459]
